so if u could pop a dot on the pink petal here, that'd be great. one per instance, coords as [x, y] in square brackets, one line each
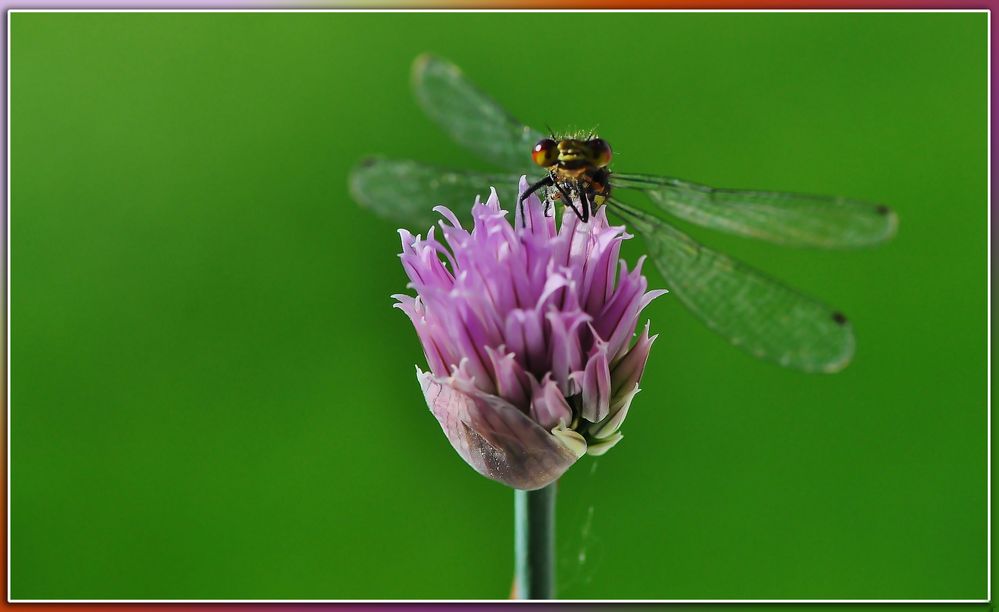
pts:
[512, 383]
[525, 336]
[596, 386]
[628, 370]
[566, 352]
[548, 406]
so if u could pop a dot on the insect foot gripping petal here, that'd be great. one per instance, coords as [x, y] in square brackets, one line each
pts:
[527, 333]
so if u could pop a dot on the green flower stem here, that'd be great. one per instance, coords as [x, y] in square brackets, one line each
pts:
[534, 542]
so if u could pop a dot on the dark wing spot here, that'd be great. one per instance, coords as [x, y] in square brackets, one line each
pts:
[367, 162]
[882, 210]
[839, 318]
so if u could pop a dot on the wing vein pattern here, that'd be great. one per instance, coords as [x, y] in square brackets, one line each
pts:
[790, 219]
[407, 191]
[470, 117]
[753, 311]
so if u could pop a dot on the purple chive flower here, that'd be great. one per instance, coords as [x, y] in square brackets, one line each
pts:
[528, 333]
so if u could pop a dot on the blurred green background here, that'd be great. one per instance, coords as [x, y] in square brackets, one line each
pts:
[213, 398]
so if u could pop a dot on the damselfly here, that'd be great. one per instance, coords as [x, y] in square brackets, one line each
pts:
[753, 311]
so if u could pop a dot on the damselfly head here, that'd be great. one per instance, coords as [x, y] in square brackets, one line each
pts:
[572, 153]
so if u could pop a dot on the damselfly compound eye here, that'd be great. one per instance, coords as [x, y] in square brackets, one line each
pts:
[545, 153]
[601, 151]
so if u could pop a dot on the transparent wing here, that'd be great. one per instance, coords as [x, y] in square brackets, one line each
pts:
[406, 191]
[755, 312]
[469, 116]
[784, 218]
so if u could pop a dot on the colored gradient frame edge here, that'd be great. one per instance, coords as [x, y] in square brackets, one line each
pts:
[446, 6]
